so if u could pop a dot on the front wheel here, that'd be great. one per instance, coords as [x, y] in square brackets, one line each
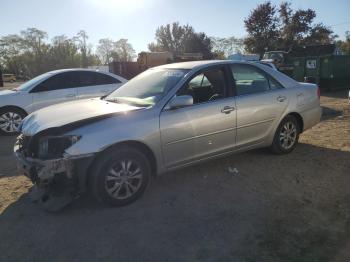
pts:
[10, 119]
[286, 136]
[120, 176]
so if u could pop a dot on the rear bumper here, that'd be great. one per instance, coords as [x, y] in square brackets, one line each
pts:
[311, 117]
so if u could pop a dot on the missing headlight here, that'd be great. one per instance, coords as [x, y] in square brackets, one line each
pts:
[54, 146]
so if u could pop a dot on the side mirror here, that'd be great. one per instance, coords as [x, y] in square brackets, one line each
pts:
[180, 101]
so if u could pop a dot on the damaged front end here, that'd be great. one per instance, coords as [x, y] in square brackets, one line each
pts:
[58, 178]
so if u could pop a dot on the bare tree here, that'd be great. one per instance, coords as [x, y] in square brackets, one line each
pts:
[227, 46]
[124, 50]
[105, 49]
[81, 38]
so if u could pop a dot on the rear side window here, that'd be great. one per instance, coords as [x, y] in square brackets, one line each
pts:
[86, 79]
[95, 79]
[274, 84]
[249, 80]
[102, 79]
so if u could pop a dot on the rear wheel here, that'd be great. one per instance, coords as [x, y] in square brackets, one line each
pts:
[286, 136]
[10, 119]
[120, 176]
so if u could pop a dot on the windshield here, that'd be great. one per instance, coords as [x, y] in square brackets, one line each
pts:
[28, 84]
[273, 56]
[147, 88]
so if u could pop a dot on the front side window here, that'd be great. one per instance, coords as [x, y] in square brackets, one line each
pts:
[207, 86]
[27, 85]
[59, 81]
[147, 88]
[249, 80]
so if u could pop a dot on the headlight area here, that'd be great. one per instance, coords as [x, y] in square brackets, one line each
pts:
[51, 147]
[57, 177]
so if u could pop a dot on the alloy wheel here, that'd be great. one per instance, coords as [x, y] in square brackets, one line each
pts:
[124, 179]
[288, 135]
[10, 121]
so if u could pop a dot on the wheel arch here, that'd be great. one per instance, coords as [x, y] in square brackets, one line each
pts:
[300, 120]
[14, 107]
[146, 150]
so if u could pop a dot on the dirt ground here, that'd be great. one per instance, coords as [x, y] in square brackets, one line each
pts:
[277, 208]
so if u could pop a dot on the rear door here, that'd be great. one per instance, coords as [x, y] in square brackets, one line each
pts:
[207, 127]
[260, 102]
[95, 84]
[56, 89]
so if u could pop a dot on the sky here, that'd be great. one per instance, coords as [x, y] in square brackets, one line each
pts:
[137, 20]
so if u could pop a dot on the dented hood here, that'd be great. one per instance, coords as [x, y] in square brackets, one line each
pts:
[70, 113]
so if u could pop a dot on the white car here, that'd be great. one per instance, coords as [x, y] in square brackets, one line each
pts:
[52, 88]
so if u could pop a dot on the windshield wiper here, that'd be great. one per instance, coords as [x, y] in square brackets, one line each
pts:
[112, 100]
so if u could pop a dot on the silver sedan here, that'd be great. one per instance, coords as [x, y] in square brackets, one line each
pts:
[165, 118]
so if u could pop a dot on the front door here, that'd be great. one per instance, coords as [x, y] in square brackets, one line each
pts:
[56, 89]
[204, 129]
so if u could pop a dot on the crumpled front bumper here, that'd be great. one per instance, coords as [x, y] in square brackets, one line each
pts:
[42, 171]
[56, 181]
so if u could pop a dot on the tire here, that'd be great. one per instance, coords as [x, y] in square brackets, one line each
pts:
[10, 119]
[115, 174]
[286, 136]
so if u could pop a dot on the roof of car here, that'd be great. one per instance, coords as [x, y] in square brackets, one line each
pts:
[75, 69]
[85, 69]
[194, 64]
[198, 65]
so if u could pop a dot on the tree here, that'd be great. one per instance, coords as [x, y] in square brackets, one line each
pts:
[297, 28]
[63, 53]
[33, 39]
[181, 39]
[124, 50]
[10, 47]
[34, 51]
[81, 38]
[344, 46]
[262, 28]
[171, 37]
[319, 34]
[227, 46]
[29, 54]
[105, 49]
[271, 28]
[120, 50]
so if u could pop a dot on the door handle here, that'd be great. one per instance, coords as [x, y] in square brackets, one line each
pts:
[104, 90]
[227, 109]
[281, 98]
[70, 95]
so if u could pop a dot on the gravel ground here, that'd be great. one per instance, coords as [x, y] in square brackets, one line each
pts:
[276, 208]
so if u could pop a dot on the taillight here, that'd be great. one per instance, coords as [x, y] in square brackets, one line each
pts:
[318, 92]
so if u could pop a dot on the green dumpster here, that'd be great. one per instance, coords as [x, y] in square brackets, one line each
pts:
[330, 72]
